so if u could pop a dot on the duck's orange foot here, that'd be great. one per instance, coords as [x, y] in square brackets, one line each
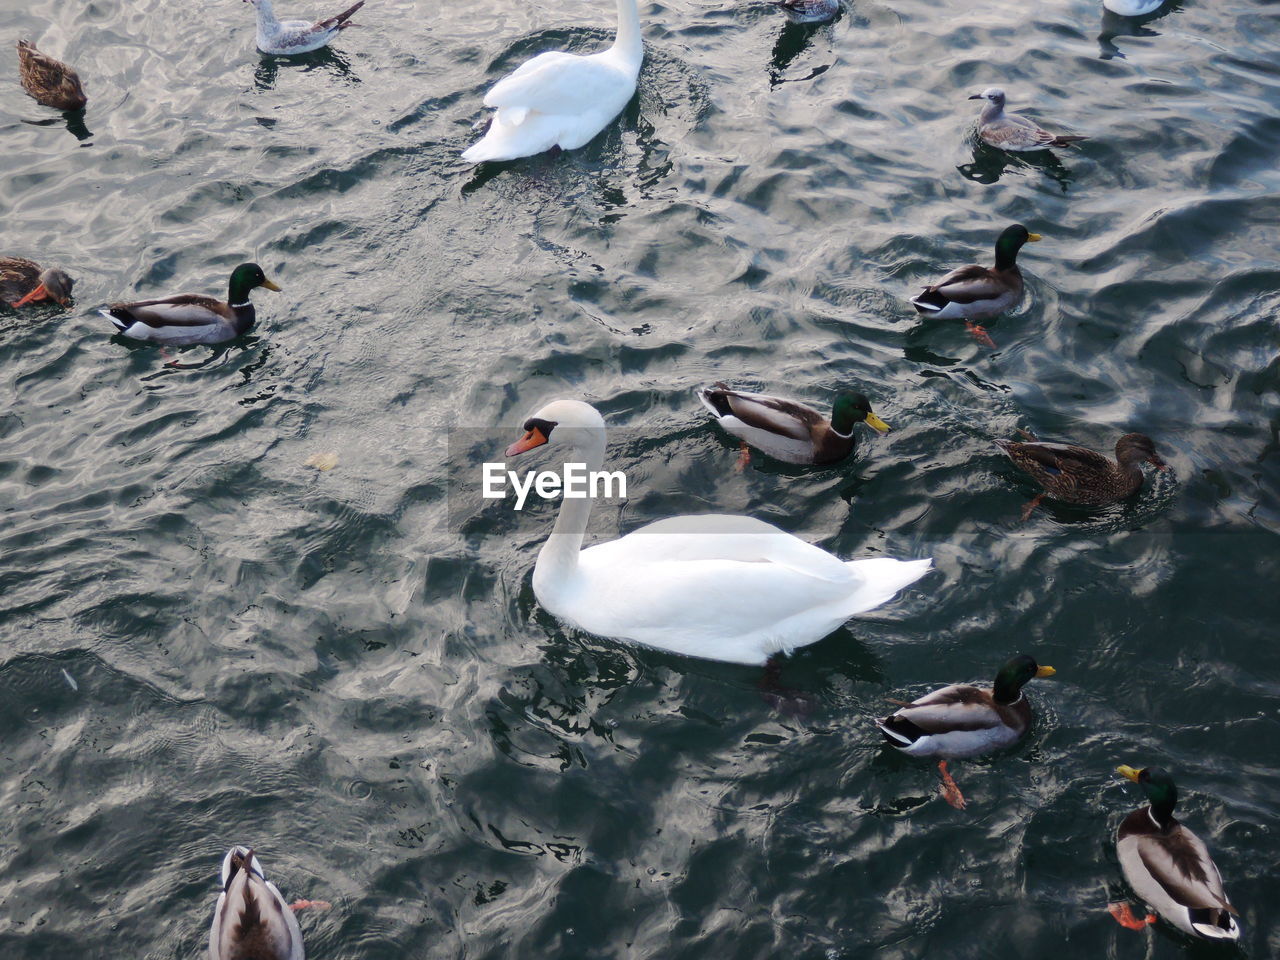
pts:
[744, 458]
[950, 792]
[1125, 917]
[304, 904]
[1030, 508]
[980, 334]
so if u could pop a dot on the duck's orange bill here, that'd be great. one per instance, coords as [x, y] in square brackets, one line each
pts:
[39, 293]
[533, 438]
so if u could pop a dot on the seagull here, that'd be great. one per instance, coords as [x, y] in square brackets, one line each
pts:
[809, 11]
[285, 37]
[1010, 131]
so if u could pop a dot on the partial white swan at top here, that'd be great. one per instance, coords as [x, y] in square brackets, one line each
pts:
[714, 586]
[560, 99]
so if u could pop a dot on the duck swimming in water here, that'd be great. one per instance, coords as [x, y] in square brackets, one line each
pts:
[252, 920]
[1077, 475]
[964, 721]
[24, 281]
[51, 82]
[1169, 867]
[192, 317]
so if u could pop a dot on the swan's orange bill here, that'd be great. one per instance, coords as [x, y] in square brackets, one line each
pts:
[533, 438]
[39, 293]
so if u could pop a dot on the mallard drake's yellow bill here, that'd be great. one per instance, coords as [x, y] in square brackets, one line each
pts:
[875, 423]
[269, 285]
[1128, 773]
[1033, 237]
[1045, 672]
[534, 438]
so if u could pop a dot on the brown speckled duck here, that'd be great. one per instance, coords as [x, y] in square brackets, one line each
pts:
[1079, 476]
[49, 81]
[23, 281]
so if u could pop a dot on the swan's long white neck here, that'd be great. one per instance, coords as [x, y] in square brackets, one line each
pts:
[629, 46]
[558, 558]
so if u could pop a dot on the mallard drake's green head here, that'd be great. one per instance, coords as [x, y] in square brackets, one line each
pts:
[1159, 787]
[245, 278]
[851, 409]
[1010, 242]
[1134, 448]
[1014, 675]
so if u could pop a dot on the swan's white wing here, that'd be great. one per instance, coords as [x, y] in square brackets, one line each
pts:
[716, 536]
[559, 83]
[741, 611]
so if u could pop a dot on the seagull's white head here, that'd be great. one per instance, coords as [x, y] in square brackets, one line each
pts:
[994, 94]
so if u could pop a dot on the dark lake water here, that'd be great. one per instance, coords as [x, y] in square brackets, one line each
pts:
[206, 641]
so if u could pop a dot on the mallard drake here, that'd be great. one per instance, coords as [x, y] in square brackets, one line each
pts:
[1168, 866]
[719, 587]
[285, 37]
[23, 281]
[808, 11]
[1012, 131]
[961, 720]
[51, 82]
[192, 317]
[252, 919]
[787, 429]
[561, 99]
[1079, 476]
[976, 292]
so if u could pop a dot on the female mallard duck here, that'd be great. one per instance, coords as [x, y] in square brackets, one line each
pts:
[192, 317]
[1079, 476]
[23, 281]
[788, 430]
[975, 292]
[713, 586]
[1169, 867]
[49, 81]
[962, 720]
[252, 919]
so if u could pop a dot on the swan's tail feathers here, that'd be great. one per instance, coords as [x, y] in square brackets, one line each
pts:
[482, 151]
[340, 22]
[881, 578]
[513, 132]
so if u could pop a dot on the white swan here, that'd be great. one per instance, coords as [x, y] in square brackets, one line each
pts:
[561, 99]
[251, 918]
[713, 586]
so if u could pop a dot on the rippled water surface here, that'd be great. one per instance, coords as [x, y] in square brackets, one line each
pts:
[207, 641]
